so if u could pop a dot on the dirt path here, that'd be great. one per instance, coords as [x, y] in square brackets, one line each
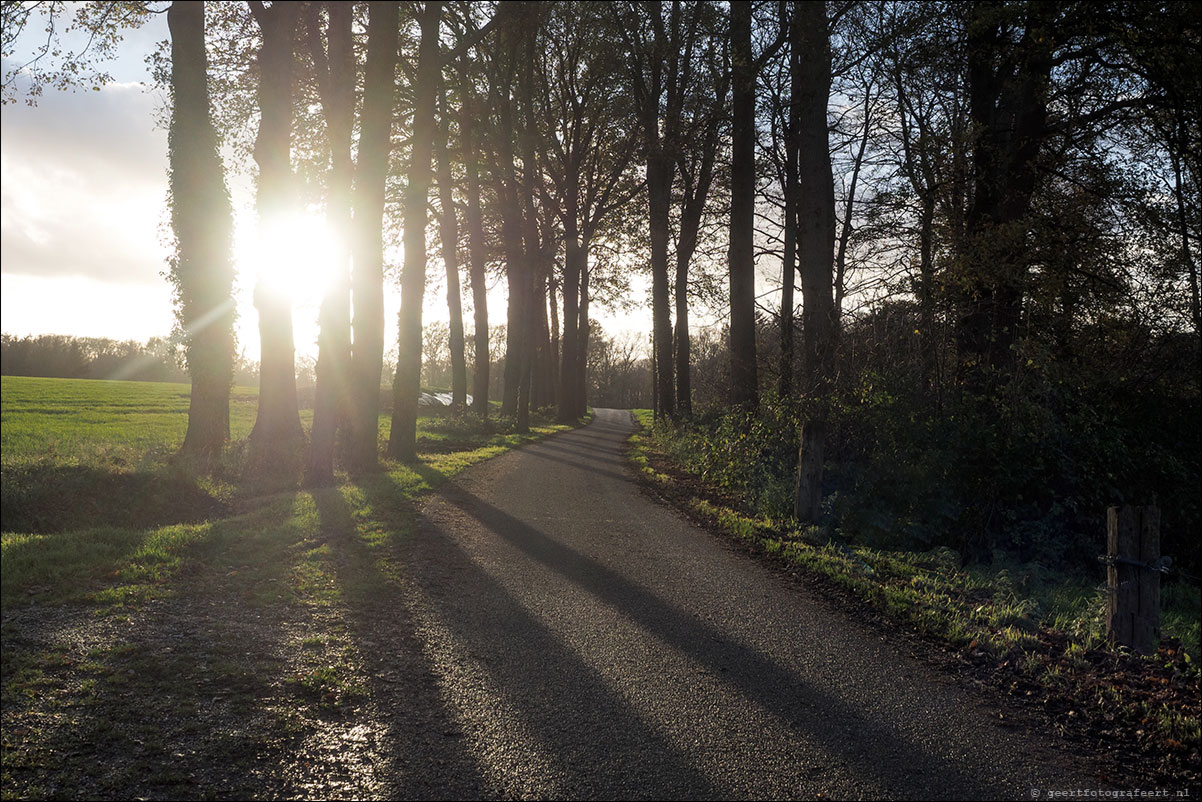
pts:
[590, 643]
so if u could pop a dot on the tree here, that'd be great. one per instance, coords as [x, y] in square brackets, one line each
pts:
[744, 380]
[1008, 84]
[402, 439]
[367, 273]
[334, 69]
[662, 70]
[815, 205]
[589, 142]
[744, 67]
[448, 222]
[474, 218]
[201, 219]
[509, 199]
[277, 430]
[50, 62]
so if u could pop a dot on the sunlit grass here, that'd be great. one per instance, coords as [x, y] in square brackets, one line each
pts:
[100, 502]
[123, 425]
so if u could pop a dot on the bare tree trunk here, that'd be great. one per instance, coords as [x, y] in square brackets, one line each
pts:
[926, 292]
[202, 220]
[535, 306]
[556, 341]
[1187, 257]
[789, 262]
[583, 328]
[849, 208]
[449, 233]
[692, 209]
[684, 387]
[574, 255]
[406, 388]
[660, 168]
[744, 379]
[476, 255]
[277, 431]
[336, 86]
[815, 242]
[659, 186]
[516, 269]
[367, 276]
[542, 391]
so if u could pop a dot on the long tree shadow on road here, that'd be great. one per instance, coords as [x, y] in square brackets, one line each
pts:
[530, 693]
[590, 466]
[890, 758]
[421, 755]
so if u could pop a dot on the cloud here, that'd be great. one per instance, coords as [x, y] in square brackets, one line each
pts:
[83, 186]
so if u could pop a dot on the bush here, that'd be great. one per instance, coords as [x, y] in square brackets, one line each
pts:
[1025, 469]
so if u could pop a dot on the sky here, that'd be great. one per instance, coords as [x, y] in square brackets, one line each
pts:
[83, 222]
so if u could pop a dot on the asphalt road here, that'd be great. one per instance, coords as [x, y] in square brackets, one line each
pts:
[587, 642]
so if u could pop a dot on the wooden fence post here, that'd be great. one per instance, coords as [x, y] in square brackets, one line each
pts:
[1133, 600]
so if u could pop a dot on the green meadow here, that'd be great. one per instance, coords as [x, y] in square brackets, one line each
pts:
[95, 509]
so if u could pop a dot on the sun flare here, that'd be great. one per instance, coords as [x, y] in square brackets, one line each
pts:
[295, 256]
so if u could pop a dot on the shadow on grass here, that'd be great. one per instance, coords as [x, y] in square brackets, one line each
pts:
[58, 498]
[172, 699]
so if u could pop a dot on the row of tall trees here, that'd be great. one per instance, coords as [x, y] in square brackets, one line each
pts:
[1017, 171]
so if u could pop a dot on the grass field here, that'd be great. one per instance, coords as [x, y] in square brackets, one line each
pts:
[113, 423]
[93, 507]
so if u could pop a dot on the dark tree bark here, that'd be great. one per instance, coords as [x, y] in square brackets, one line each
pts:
[335, 72]
[660, 169]
[1183, 223]
[534, 283]
[744, 379]
[277, 431]
[476, 253]
[367, 275]
[449, 233]
[918, 140]
[658, 82]
[573, 267]
[696, 191]
[585, 157]
[517, 271]
[789, 262]
[583, 329]
[849, 208]
[556, 341]
[202, 221]
[695, 165]
[402, 440]
[815, 243]
[1007, 85]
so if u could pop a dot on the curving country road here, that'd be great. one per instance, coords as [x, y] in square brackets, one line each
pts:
[589, 643]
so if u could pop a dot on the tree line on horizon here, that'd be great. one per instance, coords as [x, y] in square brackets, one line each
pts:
[1005, 187]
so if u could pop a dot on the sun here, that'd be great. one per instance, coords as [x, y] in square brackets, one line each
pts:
[293, 257]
